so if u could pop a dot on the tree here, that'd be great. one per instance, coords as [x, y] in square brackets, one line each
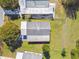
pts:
[46, 50]
[9, 31]
[69, 1]
[63, 52]
[77, 44]
[9, 34]
[71, 8]
[73, 53]
[13, 45]
[9, 4]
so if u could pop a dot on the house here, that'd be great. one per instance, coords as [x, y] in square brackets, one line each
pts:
[35, 31]
[1, 16]
[25, 55]
[37, 8]
[28, 55]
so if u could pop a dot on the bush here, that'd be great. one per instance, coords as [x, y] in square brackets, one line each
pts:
[9, 33]
[46, 50]
[74, 54]
[63, 53]
[77, 44]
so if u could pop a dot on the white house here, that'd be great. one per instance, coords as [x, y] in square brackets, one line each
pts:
[28, 55]
[1, 16]
[37, 7]
[35, 31]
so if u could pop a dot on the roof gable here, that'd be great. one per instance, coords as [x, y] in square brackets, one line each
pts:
[35, 25]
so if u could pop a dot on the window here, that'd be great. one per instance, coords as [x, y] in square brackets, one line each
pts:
[24, 37]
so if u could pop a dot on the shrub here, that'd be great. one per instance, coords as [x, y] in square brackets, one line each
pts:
[63, 53]
[46, 50]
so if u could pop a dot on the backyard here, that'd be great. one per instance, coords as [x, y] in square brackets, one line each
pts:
[64, 33]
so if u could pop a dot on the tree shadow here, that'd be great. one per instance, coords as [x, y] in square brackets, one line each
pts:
[71, 9]
[13, 44]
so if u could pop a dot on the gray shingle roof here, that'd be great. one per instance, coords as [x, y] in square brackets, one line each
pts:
[32, 55]
[36, 7]
[35, 28]
[38, 32]
[37, 3]
[38, 25]
[38, 28]
[28, 55]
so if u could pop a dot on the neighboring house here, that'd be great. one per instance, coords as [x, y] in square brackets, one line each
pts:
[35, 31]
[28, 55]
[25, 55]
[1, 16]
[37, 8]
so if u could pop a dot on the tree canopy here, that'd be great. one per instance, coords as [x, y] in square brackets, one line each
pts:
[9, 4]
[9, 34]
[71, 7]
[71, 2]
[9, 31]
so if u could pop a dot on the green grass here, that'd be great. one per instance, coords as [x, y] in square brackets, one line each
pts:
[31, 47]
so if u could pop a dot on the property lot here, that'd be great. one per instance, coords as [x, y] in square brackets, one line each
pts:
[64, 33]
